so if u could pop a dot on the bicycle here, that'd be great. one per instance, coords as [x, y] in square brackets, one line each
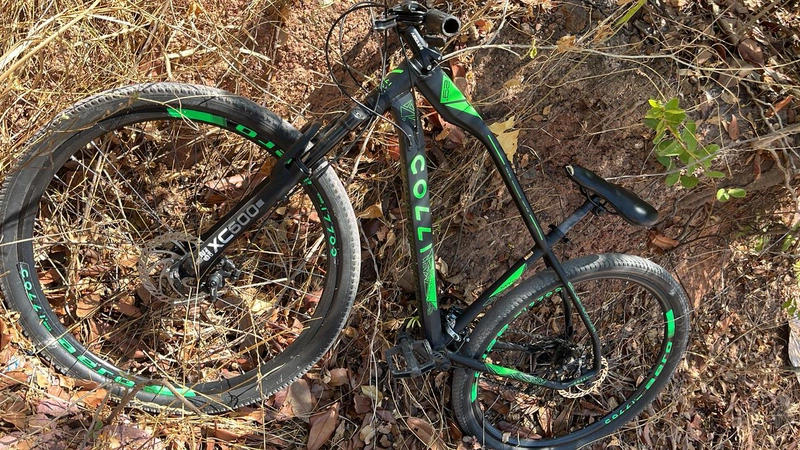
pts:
[192, 251]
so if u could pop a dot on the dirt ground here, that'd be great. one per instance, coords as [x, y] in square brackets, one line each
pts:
[580, 103]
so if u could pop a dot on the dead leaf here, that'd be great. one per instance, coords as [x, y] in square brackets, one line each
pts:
[126, 307]
[484, 26]
[300, 398]
[508, 139]
[91, 398]
[87, 304]
[458, 69]
[733, 128]
[5, 337]
[455, 137]
[663, 242]
[393, 151]
[362, 404]
[750, 51]
[49, 276]
[322, 427]
[339, 377]
[373, 393]
[422, 430]
[128, 437]
[13, 377]
[779, 106]
[367, 433]
[372, 212]
[15, 411]
[55, 407]
[227, 435]
[565, 43]
[546, 420]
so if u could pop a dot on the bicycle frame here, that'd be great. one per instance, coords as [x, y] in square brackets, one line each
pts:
[395, 94]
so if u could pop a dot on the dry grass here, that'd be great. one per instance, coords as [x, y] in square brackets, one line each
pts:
[731, 392]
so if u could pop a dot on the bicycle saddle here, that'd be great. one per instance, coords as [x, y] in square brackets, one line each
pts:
[632, 208]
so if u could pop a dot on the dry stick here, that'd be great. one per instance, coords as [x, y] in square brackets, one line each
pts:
[502, 23]
[49, 39]
[361, 154]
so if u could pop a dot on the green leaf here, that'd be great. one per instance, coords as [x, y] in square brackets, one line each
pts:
[691, 125]
[624, 19]
[715, 174]
[689, 181]
[673, 149]
[651, 123]
[685, 157]
[689, 139]
[676, 117]
[655, 104]
[737, 192]
[786, 304]
[673, 178]
[710, 149]
[665, 161]
[788, 242]
[672, 104]
[659, 134]
[722, 195]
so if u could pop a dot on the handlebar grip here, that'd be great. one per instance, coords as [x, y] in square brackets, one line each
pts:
[442, 23]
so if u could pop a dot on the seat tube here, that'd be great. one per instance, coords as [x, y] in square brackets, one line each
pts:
[415, 176]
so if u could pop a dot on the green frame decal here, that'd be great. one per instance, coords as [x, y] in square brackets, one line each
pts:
[452, 97]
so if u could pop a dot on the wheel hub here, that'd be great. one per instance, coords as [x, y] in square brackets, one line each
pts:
[157, 269]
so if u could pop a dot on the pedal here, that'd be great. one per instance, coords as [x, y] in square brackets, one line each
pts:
[410, 358]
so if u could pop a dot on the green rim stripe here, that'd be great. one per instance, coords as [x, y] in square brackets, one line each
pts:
[163, 390]
[670, 323]
[197, 115]
[200, 116]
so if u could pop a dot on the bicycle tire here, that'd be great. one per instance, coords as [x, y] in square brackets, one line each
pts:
[643, 331]
[122, 183]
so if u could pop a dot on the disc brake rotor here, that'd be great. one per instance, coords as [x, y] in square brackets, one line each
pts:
[157, 258]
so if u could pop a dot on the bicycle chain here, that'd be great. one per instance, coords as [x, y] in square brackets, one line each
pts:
[566, 394]
[581, 392]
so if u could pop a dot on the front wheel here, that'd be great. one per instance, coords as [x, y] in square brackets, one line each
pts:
[120, 187]
[641, 317]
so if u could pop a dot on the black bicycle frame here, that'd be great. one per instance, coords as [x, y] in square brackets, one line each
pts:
[395, 94]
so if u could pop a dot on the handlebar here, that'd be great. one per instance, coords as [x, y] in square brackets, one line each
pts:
[410, 13]
[442, 23]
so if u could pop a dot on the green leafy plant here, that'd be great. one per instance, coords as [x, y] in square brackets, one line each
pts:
[676, 140]
[725, 194]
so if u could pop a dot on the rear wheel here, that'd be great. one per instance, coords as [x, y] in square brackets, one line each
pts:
[115, 191]
[640, 314]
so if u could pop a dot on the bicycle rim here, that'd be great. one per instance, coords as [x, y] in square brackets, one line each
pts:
[129, 196]
[635, 323]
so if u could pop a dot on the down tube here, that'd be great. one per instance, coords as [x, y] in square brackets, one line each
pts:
[415, 175]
